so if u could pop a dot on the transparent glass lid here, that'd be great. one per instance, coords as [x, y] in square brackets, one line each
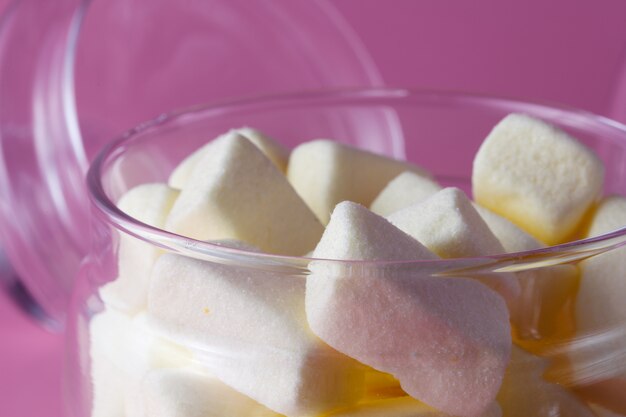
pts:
[74, 74]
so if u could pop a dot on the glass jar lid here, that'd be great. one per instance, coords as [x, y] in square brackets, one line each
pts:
[74, 74]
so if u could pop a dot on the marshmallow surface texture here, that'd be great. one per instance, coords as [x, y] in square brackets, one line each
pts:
[525, 393]
[326, 173]
[402, 407]
[276, 152]
[537, 176]
[272, 149]
[189, 393]
[404, 190]
[600, 303]
[447, 340]
[235, 192]
[512, 238]
[447, 223]
[358, 234]
[248, 328]
[545, 292]
[122, 350]
[602, 290]
[150, 204]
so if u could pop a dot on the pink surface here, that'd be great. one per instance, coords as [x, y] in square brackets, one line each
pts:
[561, 51]
[30, 366]
[569, 52]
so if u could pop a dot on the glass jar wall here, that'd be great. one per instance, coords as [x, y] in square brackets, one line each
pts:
[75, 73]
[163, 323]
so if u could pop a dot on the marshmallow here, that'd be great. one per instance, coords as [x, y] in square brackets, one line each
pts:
[109, 385]
[272, 150]
[276, 153]
[189, 393]
[447, 224]
[358, 234]
[525, 393]
[235, 192]
[542, 309]
[325, 173]
[122, 351]
[537, 176]
[512, 238]
[602, 290]
[404, 190]
[600, 307]
[402, 407]
[248, 328]
[447, 340]
[150, 204]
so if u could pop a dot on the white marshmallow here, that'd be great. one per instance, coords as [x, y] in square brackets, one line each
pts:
[602, 290]
[537, 176]
[235, 192]
[189, 393]
[447, 223]
[356, 233]
[545, 292]
[446, 340]
[525, 393]
[402, 407]
[122, 351]
[326, 173]
[512, 238]
[248, 328]
[276, 153]
[180, 175]
[404, 190]
[600, 307]
[109, 387]
[150, 204]
[272, 150]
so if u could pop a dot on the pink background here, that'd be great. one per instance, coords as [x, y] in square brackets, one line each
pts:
[562, 51]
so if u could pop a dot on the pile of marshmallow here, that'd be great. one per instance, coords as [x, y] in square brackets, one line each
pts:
[181, 336]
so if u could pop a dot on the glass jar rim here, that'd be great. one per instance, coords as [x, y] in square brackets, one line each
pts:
[571, 251]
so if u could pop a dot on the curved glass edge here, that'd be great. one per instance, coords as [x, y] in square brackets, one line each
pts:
[508, 262]
[357, 47]
[59, 146]
[37, 81]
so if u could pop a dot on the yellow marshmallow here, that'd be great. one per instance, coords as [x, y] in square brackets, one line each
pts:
[537, 176]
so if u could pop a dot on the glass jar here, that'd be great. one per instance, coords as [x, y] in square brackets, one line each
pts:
[75, 73]
[259, 357]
